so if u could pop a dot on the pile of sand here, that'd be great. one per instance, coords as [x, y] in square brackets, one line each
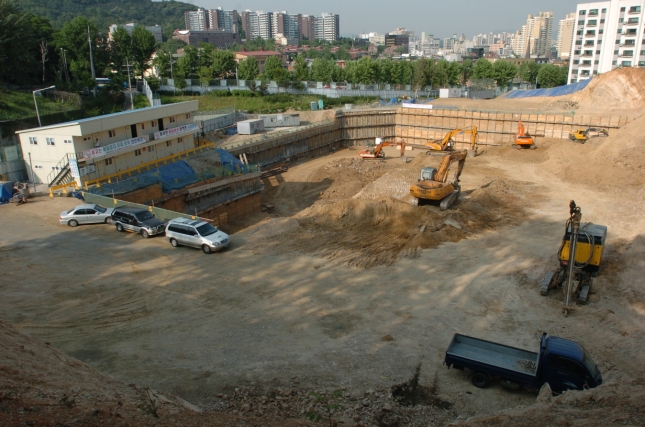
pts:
[605, 162]
[42, 386]
[620, 89]
[618, 403]
[373, 229]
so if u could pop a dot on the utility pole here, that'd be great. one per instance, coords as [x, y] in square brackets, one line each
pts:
[89, 40]
[127, 62]
[65, 65]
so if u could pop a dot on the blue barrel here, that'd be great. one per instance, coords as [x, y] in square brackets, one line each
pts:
[314, 106]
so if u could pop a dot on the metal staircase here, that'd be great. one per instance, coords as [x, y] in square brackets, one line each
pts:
[61, 173]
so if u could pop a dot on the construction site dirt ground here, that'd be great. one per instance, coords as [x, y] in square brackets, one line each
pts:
[334, 291]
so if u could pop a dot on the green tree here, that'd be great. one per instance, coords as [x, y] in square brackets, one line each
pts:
[422, 69]
[483, 69]
[73, 37]
[528, 71]
[162, 62]
[322, 70]
[338, 74]
[120, 48]
[248, 69]
[183, 68]
[223, 64]
[343, 54]
[188, 65]
[366, 70]
[551, 76]
[466, 71]
[503, 72]
[13, 23]
[205, 75]
[300, 69]
[273, 69]
[180, 82]
[143, 46]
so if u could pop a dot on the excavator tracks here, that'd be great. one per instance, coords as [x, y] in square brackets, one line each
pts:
[449, 200]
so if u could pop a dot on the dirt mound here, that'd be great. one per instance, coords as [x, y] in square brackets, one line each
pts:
[622, 88]
[618, 403]
[40, 385]
[368, 230]
[604, 161]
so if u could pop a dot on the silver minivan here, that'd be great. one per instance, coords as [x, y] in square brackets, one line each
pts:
[196, 233]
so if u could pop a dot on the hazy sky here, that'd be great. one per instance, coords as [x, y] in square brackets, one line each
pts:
[441, 18]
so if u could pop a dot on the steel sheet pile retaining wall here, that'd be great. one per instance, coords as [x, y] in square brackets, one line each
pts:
[418, 126]
[362, 126]
[310, 142]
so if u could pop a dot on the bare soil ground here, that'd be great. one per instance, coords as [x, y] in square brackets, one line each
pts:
[342, 302]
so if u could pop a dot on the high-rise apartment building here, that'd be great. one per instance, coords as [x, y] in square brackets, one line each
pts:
[565, 36]
[155, 30]
[196, 20]
[267, 24]
[327, 27]
[307, 27]
[287, 24]
[534, 39]
[257, 24]
[226, 20]
[608, 35]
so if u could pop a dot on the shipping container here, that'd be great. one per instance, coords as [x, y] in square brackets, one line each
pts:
[250, 127]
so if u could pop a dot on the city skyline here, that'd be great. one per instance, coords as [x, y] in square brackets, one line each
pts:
[470, 16]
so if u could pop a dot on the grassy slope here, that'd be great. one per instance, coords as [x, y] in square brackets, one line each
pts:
[14, 105]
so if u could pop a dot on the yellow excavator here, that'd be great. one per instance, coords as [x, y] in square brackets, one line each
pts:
[448, 144]
[432, 184]
[580, 258]
[582, 135]
[376, 152]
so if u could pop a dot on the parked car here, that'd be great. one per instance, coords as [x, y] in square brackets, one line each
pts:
[196, 233]
[137, 220]
[86, 214]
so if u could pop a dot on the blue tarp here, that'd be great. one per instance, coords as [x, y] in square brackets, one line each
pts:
[554, 91]
[6, 190]
[172, 176]
[230, 162]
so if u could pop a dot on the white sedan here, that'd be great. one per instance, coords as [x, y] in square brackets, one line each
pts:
[86, 214]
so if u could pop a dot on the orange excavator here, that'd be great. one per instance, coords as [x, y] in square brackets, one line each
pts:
[433, 183]
[377, 152]
[523, 139]
[448, 144]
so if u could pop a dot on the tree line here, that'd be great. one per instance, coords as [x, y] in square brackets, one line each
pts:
[206, 63]
[32, 51]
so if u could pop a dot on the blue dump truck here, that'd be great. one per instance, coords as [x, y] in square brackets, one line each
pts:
[564, 364]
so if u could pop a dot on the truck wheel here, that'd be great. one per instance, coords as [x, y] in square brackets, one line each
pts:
[509, 385]
[480, 380]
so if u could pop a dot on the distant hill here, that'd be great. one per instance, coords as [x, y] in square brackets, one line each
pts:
[168, 14]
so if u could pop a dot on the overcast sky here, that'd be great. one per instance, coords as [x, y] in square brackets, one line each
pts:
[441, 18]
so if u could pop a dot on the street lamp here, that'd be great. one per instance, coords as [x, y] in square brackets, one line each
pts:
[36, 104]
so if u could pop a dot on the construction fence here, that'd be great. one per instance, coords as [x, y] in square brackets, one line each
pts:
[109, 202]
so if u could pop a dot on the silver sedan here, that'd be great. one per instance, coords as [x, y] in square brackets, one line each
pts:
[86, 214]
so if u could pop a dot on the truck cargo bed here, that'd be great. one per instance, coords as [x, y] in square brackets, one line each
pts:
[492, 354]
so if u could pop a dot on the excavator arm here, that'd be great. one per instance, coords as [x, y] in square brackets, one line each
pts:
[444, 167]
[443, 145]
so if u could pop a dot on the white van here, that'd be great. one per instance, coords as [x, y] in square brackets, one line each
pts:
[196, 233]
